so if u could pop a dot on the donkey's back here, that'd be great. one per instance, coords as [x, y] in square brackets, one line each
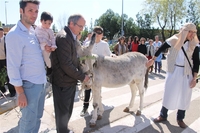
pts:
[121, 70]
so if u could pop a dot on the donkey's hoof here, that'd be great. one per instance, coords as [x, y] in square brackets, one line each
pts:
[138, 113]
[126, 110]
[92, 125]
[99, 117]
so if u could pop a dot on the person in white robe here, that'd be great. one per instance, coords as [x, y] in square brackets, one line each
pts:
[181, 77]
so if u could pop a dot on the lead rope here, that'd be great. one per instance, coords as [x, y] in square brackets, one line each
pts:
[81, 92]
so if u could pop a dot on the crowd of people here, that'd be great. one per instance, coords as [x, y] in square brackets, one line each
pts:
[29, 49]
[148, 47]
[145, 46]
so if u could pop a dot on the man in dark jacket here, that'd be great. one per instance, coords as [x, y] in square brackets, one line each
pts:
[65, 72]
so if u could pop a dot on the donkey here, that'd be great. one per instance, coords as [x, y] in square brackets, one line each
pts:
[112, 72]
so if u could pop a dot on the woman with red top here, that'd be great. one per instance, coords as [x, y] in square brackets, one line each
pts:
[135, 44]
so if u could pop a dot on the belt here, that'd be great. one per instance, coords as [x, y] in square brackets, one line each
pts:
[178, 65]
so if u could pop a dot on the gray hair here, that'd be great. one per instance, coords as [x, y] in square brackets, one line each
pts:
[74, 18]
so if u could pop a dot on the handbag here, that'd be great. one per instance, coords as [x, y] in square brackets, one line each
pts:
[188, 61]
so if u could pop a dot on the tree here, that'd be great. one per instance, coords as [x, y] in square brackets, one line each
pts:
[91, 25]
[145, 27]
[84, 34]
[130, 28]
[54, 28]
[168, 13]
[110, 22]
[194, 14]
[62, 20]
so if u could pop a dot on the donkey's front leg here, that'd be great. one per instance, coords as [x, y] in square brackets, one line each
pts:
[96, 95]
[100, 109]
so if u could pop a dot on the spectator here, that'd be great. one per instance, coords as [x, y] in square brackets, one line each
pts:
[158, 62]
[156, 44]
[135, 44]
[26, 68]
[121, 47]
[66, 72]
[3, 64]
[142, 47]
[150, 52]
[130, 40]
[147, 42]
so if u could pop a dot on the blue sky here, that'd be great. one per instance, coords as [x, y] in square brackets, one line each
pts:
[90, 9]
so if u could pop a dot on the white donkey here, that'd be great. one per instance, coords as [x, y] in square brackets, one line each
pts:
[112, 72]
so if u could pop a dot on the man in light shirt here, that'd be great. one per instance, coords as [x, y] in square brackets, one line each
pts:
[26, 68]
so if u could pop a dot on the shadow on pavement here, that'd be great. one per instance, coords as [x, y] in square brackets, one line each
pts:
[154, 76]
[7, 103]
[13, 130]
[159, 128]
[99, 123]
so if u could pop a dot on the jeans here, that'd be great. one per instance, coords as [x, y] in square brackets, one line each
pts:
[157, 66]
[180, 113]
[32, 113]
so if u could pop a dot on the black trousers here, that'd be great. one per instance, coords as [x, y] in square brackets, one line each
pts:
[86, 99]
[180, 113]
[11, 88]
[63, 105]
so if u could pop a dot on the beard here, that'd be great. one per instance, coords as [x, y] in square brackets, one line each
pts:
[28, 20]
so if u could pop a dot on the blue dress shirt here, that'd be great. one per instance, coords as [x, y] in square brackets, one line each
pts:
[24, 56]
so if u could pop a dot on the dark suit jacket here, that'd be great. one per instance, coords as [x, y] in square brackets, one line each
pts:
[64, 61]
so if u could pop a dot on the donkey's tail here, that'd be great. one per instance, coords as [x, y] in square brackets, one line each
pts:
[146, 80]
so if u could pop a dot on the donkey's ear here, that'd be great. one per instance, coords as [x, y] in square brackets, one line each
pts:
[92, 41]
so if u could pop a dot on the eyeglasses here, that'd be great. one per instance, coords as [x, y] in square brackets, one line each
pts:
[80, 26]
